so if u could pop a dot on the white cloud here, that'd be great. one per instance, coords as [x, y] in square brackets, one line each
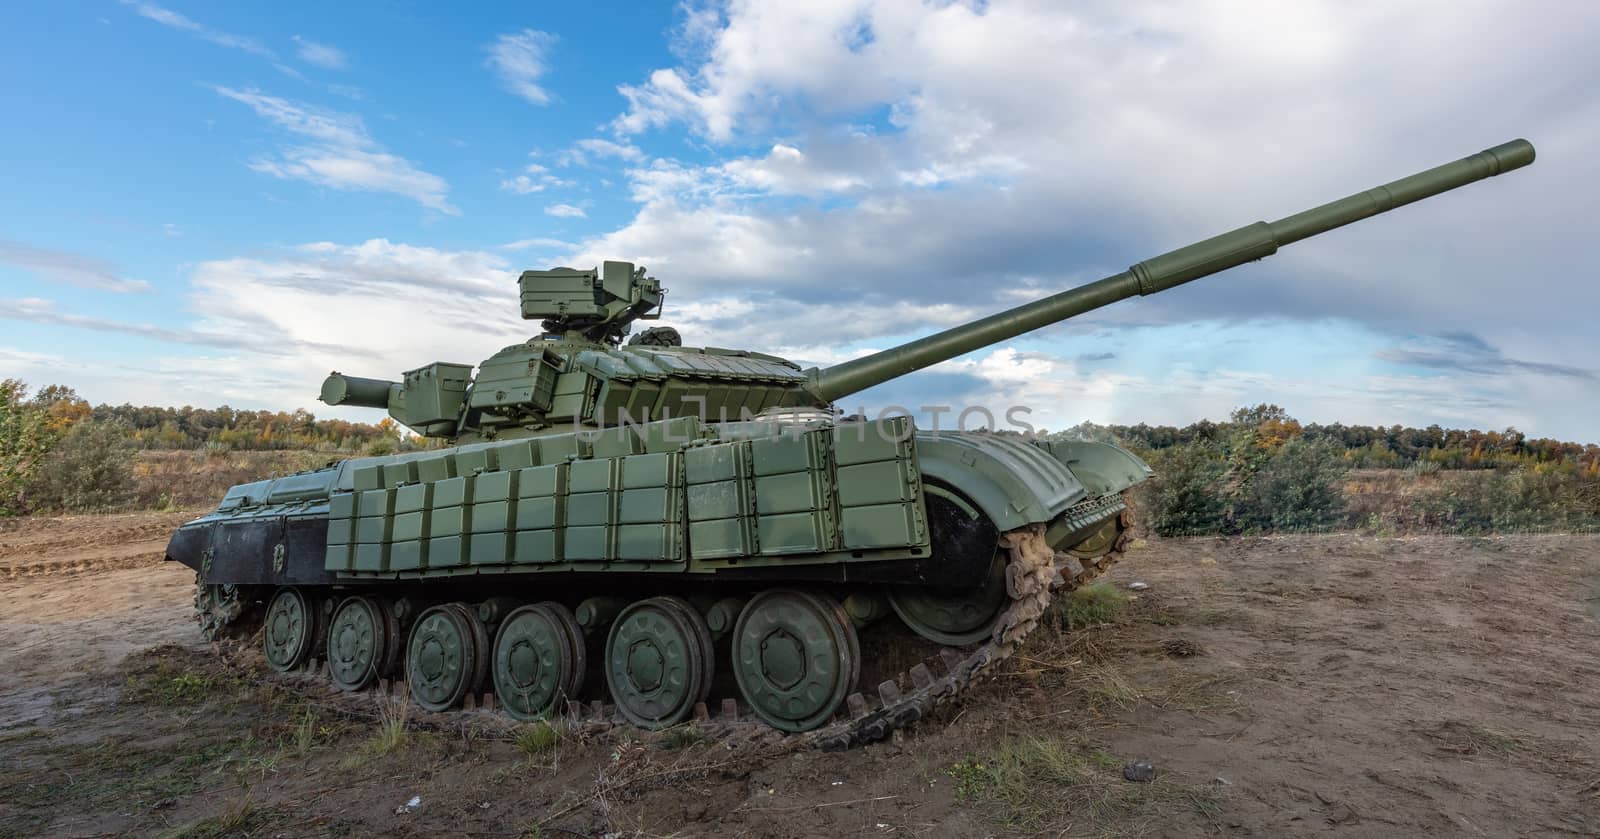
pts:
[564, 211]
[70, 268]
[911, 156]
[39, 310]
[521, 185]
[168, 17]
[323, 55]
[595, 147]
[537, 242]
[931, 163]
[534, 178]
[519, 59]
[342, 156]
[274, 325]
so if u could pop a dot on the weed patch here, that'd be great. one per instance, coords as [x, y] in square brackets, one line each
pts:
[1088, 606]
[237, 818]
[1047, 784]
[681, 737]
[392, 734]
[168, 676]
[537, 738]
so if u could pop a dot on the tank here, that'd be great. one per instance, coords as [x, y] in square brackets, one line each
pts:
[623, 528]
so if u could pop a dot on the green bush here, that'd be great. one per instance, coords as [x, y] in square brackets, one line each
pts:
[1186, 497]
[1296, 489]
[88, 470]
[1514, 500]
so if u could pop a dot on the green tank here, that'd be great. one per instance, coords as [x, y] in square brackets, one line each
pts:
[624, 528]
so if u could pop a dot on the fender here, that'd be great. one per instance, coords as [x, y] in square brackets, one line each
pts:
[1103, 468]
[1012, 482]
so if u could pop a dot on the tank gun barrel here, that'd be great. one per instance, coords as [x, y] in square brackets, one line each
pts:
[339, 389]
[1171, 269]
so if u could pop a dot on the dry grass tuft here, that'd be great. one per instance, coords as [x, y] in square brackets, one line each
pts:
[1105, 685]
[1470, 738]
[235, 819]
[1181, 648]
[392, 734]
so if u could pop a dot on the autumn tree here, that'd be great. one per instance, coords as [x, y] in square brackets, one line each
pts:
[26, 435]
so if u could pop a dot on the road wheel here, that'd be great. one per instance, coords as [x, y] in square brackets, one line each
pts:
[656, 663]
[363, 642]
[442, 657]
[796, 657]
[536, 664]
[291, 629]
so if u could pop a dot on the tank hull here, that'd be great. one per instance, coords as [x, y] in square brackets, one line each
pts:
[788, 505]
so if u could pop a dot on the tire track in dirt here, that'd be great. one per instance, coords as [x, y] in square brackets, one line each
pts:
[72, 545]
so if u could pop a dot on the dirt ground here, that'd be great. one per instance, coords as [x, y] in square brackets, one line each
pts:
[1283, 686]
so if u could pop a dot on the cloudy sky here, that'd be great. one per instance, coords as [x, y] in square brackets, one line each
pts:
[217, 203]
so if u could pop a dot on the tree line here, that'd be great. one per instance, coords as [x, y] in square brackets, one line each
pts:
[57, 452]
[1260, 470]
[1365, 446]
[1264, 471]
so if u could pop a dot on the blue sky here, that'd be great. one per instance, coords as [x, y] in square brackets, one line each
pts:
[208, 203]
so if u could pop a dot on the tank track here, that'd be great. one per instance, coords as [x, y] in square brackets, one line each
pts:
[218, 610]
[1034, 573]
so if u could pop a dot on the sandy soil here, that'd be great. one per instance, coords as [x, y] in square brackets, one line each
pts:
[1282, 686]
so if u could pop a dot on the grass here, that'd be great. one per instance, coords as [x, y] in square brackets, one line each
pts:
[238, 817]
[1181, 648]
[306, 731]
[680, 737]
[24, 734]
[537, 738]
[163, 678]
[392, 731]
[392, 734]
[1470, 738]
[1088, 606]
[1194, 692]
[1106, 686]
[1052, 783]
[117, 774]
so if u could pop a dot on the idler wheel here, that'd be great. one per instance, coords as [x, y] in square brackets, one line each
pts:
[954, 617]
[291, 629]
[796, 657]
[363, 642]
[656, 664]
[538, 660]
[442, 657]
[1100, 542]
